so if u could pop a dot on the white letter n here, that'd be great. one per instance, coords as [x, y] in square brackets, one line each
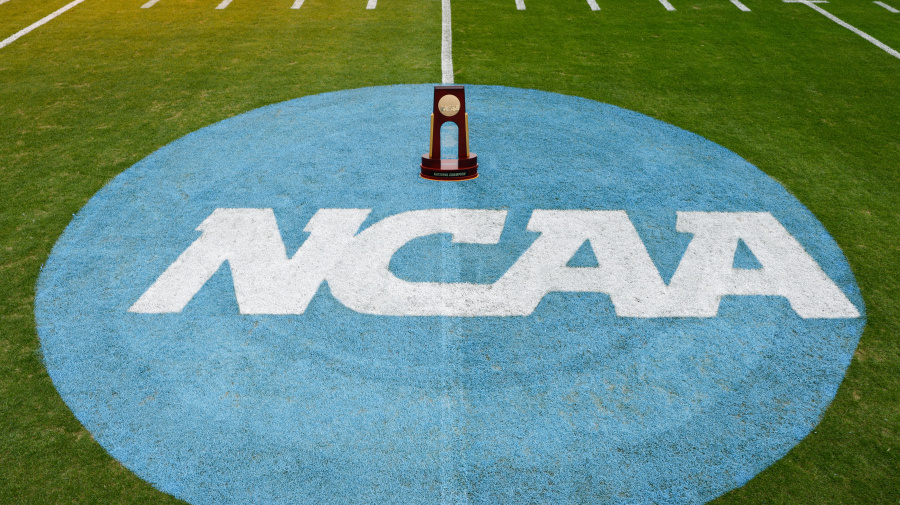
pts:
[265, 280]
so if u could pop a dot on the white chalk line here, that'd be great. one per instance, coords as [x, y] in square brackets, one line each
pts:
[297, 4]
[223, 4]
[593, 4]
[149, 4]
[667, 5]
[873, 40]
[880, 4]
[520, 5]
[740, 6]
[25, 31]
[371, 5]
[446, 44]
[3, 1]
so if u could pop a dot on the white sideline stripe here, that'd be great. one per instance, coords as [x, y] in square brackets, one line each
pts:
[25, 31]
[297, 4]
[873, 40]
[371, 5]
[446, 44]
[520, 5]
[223, 4]
[149, 4]
[880, 4]
[740, 6]
[667, 5]
[593, 4]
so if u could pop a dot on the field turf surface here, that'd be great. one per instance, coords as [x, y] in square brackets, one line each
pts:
[812, 104]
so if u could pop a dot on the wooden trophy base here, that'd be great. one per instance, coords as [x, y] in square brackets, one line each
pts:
[450, 170]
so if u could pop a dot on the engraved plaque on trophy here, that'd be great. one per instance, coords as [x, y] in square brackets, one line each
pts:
[449, 106]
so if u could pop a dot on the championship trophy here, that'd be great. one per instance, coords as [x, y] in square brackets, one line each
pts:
[449, 106]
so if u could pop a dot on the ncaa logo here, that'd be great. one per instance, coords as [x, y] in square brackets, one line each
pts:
[277, 309]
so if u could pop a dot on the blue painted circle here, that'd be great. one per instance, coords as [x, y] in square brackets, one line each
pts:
[568, 405]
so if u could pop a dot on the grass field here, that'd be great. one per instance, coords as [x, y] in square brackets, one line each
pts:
[810, 103]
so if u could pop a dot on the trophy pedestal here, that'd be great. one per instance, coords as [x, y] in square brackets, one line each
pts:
[450, 170]
[449, 107]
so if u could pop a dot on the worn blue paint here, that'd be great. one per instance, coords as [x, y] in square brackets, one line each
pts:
[744, 258]
[568, 405]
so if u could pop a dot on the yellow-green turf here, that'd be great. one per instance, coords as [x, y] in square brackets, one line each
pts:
[805, 100]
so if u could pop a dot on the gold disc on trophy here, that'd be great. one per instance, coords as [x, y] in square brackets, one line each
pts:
[448, 105]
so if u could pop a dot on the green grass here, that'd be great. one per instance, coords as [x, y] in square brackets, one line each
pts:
[807, 101]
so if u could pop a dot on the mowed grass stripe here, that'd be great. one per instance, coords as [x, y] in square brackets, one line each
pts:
[799, 100]
[88, 98]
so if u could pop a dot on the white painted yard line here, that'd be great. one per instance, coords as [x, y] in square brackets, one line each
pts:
[593, 4]
[3, 1]
[667, 5]
[371, 5]
[873, 40]
[446, 44]
[25, 31]
[223, 4]
[880, 4]
[149, 4]
[520, 5]
[297, 4]
[740, 6]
